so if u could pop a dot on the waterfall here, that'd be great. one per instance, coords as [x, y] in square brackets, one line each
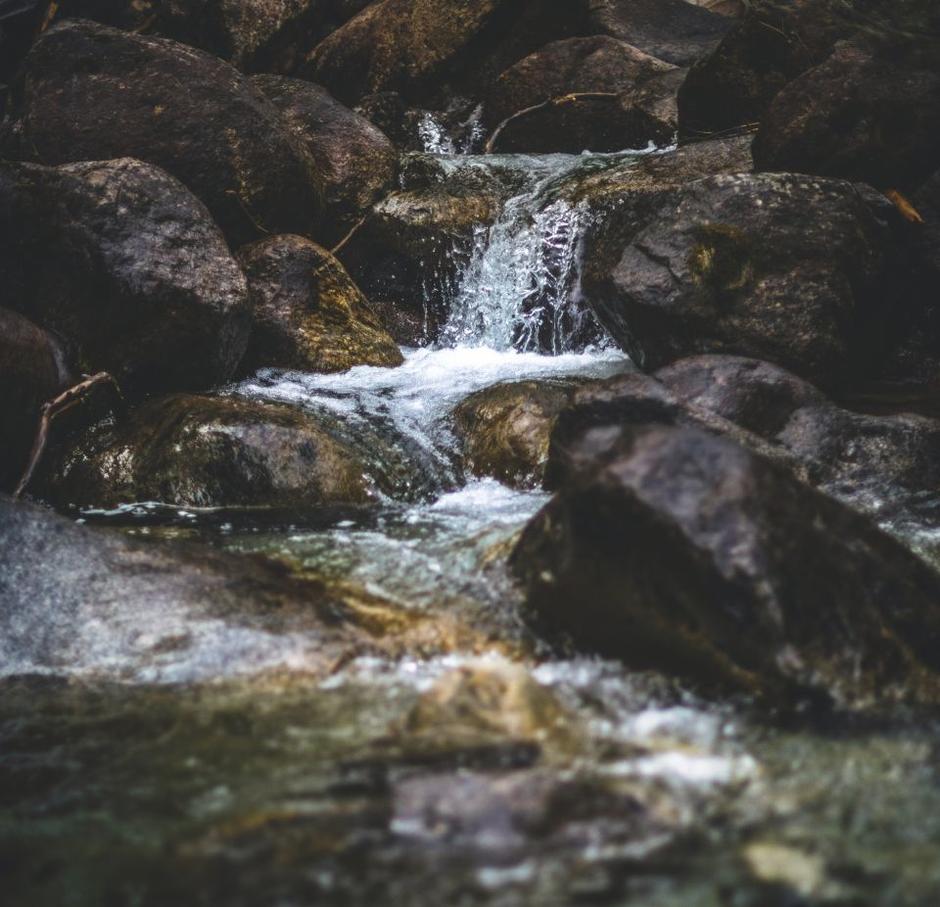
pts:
[519, 288]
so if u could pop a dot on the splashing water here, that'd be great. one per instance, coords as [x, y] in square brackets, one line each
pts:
[521, 286]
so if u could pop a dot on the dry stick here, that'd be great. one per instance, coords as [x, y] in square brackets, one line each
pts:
[345, 240]
[553, 102]
[63, 403]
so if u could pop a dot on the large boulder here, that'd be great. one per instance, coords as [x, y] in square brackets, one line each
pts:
[210, 452]
[356, 161]
[673, 30]
[872, 460]
[425, 49]
[399, 45]
[268, 36]
[687, 553]
[176, 107]
[774, 42]
[779, 267]
[308, 314]
[505, 429]
[33, 370]
[576, 65]
[596, 94]
[864, 114]
[124, 264]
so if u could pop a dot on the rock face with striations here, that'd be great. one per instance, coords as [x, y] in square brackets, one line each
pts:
[688, 553]
[732, 264]
[126, 266]
[308, 314]
[90, 92]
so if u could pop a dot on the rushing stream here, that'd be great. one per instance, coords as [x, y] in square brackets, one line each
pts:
[229, 774]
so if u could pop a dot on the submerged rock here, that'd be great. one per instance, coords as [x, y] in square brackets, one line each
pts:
[308, 314]
[673, 30]
[779, 267]
[218, 135]
[864, 114]
[506, 429]
[79, 601]
[123, 263]
[356, 162]
[490, 702]
[211, 452]
[33, 370]
[689, 554]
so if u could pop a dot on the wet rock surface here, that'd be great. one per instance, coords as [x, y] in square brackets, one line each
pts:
[211, 452]
[127, 268]
[506, 429]
[220, 137]
[307, 312]
[83, 598]
[695, 574]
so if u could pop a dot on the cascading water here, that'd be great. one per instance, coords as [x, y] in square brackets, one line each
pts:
[192, 757]
[520, 288]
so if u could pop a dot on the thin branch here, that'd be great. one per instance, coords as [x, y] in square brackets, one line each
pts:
[553, 102]
[67, 400]
[346, 239]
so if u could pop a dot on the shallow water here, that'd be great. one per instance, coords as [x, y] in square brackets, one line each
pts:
[238, 776]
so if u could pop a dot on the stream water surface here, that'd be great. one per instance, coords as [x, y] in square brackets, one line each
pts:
[223, 777]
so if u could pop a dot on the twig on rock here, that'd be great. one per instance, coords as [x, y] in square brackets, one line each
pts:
[346, 239]
[68, 399]
[553, 102]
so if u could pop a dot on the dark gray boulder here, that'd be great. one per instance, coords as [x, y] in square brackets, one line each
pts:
[688, 553]
[356, 162]
[778, 267]
[126, 266]
[90, 92]
[864, 114]
[575, 65]
[771, 45]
